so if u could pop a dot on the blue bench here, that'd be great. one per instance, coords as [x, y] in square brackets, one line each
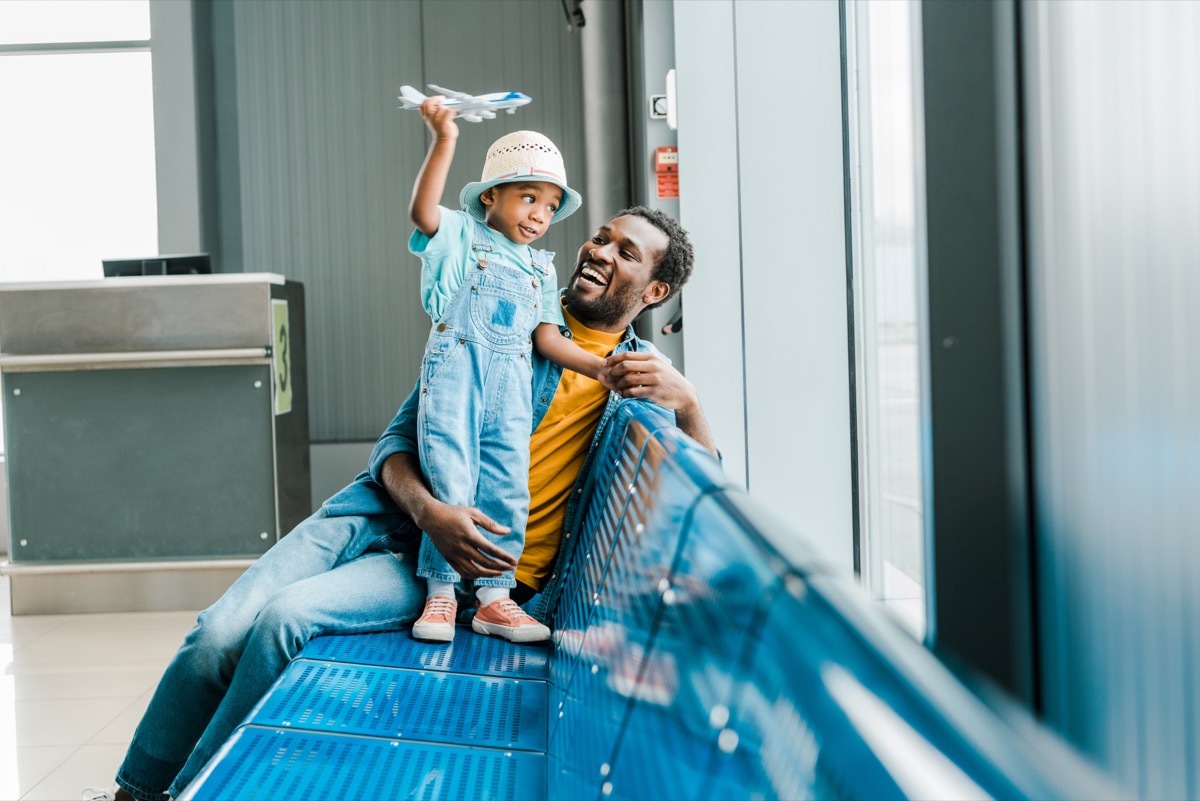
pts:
[694, 656]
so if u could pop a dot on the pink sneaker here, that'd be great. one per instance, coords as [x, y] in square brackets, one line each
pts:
[436, 624]
[505, 619]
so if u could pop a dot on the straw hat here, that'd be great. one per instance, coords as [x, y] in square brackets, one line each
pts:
[521, 156]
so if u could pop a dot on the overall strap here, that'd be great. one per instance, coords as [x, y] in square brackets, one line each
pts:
[543, 261]
[481, 243]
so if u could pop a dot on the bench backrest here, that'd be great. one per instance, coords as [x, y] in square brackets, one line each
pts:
[693, 659]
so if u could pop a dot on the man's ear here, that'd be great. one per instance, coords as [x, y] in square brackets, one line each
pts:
[655, 291]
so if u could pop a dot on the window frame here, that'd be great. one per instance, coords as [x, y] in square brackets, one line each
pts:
[981, 590]
[186, 206]
[861, 222]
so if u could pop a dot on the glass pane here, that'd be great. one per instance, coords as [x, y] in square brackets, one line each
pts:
[45, 21]
[886, 212]
[77, 180]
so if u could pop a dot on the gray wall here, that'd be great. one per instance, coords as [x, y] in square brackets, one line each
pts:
[1114, 112]
[317, 163]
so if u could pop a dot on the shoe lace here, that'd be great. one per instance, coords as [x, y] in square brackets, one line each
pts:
[439, 606]
[511, 611]
[97, 794]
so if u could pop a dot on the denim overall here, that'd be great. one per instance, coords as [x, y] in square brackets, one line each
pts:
[476, 411]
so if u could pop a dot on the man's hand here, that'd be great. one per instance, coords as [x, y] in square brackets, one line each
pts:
[452, 529]
[649, 376]
[646, 375]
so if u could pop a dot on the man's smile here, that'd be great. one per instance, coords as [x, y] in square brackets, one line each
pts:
[590, 273]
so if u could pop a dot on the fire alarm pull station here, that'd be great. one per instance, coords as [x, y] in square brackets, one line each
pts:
[666, 170]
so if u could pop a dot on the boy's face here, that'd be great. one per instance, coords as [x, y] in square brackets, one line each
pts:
[521, 211]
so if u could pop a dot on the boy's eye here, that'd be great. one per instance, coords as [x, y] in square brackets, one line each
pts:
[527, 198]
[552, 207]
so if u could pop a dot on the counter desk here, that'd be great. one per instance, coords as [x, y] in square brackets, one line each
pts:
[157, 436]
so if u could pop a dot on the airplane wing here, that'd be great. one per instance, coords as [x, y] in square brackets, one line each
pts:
[441, 90]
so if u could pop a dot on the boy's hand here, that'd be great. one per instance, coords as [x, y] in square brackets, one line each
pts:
[438, 118]
[605, 377]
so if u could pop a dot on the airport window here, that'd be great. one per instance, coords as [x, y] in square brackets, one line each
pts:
[883, 69]
[77, 146]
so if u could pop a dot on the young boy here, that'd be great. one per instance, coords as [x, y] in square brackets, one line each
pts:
[490, 296]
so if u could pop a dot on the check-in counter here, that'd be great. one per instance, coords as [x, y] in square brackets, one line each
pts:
[157, 436]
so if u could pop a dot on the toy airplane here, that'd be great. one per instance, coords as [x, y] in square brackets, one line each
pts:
[472, 108]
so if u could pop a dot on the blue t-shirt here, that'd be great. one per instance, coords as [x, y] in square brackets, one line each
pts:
[447, 259]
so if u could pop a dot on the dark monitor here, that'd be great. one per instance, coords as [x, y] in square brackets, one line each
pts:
[193, 264]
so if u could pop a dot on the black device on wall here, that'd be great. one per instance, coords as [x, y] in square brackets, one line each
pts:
[186, 264]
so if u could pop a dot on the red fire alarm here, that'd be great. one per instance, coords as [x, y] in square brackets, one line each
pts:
[666, 170]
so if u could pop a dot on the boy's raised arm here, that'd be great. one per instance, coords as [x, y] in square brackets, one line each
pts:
[431, 180]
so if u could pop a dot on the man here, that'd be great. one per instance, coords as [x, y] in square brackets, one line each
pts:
[349, 568]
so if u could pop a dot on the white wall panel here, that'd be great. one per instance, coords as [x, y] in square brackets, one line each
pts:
[709, 207]
[794, 266]
[761, 191]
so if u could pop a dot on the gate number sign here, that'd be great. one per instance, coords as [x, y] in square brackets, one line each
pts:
[281, 356]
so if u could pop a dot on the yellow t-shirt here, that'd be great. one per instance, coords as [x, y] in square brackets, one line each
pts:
[557, 451]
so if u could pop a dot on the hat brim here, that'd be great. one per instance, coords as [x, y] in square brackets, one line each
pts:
[470, 200]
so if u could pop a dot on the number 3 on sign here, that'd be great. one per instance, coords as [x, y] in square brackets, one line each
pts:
[281, 364]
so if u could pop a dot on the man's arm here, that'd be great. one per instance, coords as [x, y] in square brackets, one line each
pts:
[637, 374]
[451, 528]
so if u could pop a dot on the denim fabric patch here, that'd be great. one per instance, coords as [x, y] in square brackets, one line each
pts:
[504, 314]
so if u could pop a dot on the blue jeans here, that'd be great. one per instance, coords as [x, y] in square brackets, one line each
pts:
[330, 575]
[476, 408]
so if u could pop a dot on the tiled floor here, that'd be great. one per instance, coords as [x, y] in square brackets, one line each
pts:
[72, 688]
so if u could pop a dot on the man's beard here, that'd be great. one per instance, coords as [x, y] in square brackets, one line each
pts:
[606, 311]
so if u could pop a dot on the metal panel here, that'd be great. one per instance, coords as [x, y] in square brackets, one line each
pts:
[469, 653]
[1114, 185]
[714, 600]
[651, 53]
[614, 626]
[407, 704]
[162, 463]
[52, 589]
[271, 764]
[177, 163]
[136, 314]
[977, 485]
[587, 572]
[324, 164]
[293, 457]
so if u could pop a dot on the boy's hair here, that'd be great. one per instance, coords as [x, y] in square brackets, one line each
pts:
[675, 267]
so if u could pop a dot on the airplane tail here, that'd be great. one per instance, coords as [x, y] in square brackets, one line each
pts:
[409, 97]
